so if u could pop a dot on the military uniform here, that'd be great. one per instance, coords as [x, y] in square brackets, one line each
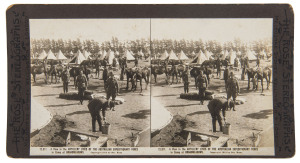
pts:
[105, 75]
[232, 89]
[111, 88]
[186, 81]
[215, 107]
[245, 66]
[65, 76]
[257, 62]
[226, 75]
[81, 83]
[218, 66]
[95, 106]
[97, 65]
[201, 81]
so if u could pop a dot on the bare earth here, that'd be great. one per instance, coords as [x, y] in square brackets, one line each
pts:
[129, 118]
[253, 117]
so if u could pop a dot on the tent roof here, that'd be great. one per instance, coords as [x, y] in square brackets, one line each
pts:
[251, 55]
[182, 56]
[164, 56]
[51, 55]
[129, 56]
[200, 58]
[86, 54]
[78, 58]
[173, 56]
[232, 56]
[110, 56]
[60, 55]
[43, 55]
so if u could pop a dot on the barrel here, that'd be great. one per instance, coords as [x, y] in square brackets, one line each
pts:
[226, 129]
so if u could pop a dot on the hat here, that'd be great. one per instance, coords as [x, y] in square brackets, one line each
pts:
[110, 73]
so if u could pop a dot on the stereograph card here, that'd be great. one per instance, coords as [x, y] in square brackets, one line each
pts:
[150, 81]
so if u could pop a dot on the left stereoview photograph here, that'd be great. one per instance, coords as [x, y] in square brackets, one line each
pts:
[89, 80]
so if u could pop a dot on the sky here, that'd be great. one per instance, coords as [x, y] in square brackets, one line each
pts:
[100, 30]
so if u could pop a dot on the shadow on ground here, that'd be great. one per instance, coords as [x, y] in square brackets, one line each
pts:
[142, 114]
[60, 105]
[263, 114]
[182, 105]
[198, 112]
[78, 112]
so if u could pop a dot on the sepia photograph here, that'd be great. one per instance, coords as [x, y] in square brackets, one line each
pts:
[89, 83]
[211, 83]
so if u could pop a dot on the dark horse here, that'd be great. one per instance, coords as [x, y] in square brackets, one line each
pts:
[39, 69]
[157, 70]
[135, 75]
[251, 73]
[75, 71]
[264, 74]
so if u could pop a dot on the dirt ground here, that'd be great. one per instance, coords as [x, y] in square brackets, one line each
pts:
[251, 118]
[131, 117]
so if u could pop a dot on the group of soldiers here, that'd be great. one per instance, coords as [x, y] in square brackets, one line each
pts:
[217, 105]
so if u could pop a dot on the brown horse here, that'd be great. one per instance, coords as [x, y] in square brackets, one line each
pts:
[263, 73]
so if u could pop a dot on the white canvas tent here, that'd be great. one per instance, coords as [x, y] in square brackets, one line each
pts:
[129, 56]
[86, 54]
[78, 58]
[51, 56]
[110, 56]
[200, 58]
[263, 54]
[61, 56]
[232, 56]
[182, 56]
[251, 55]
[43, 55]
[164, 56]
[141, 53]
[173, 56]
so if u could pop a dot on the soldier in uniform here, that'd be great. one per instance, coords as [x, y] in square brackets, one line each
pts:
[136, 61]
[105, 75]
[81, 83]
[245, 66]
[257, 61]
[218, 66]
[65, 76]
[236, 62]
[95, 106]
[215, 107]
[232, 89]
[226, 75]
[186, 79]
[112, 87]
[201, 81]
[97, 65]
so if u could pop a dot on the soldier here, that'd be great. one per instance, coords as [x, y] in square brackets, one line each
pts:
[81, 83]
[123, 65]
[201, 80]
[105, 75]
[218, 66]
[245, 66]
[45, 65]
[136, 62]
[232, 89]
[226, 74]
[257, 61]
[186, 79]
[65, 76]
[236, 62]
[95, 106]
[215, 107]
[111, 87]
[97, 65]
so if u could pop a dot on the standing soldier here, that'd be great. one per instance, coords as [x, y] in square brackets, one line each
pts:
[45, 70]
[201, 80]
[186, 79]
[232, 89]
[218, 66]
[97, 65]
[95, 106]
[245, 66]
[236, 62]
[81, 83]
[257, 61]
[215, 107]
[112, 88]
[226, 75]
[136, 62]
[105, 75]
[66, 79]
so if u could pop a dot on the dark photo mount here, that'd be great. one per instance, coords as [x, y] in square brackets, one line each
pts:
[19, 78]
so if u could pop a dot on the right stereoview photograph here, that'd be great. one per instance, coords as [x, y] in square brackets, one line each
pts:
[211, 83]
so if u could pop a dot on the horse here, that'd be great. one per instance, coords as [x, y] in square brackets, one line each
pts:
[251, 73]
[56, 71]
[157, 70]
[264, 73]
[38, 69]
[75, 71]
[141, 74]
[129, 75]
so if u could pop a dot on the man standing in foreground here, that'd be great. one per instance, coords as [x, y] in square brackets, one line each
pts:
[215, 107]
[66, 79]
[201, 80]
[95, 106]
[186, 80]
[112, 88]
[81, 83]
[232, 89]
